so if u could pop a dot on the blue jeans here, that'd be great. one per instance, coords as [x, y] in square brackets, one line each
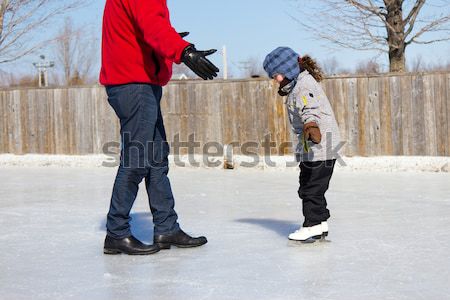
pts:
[144, 154]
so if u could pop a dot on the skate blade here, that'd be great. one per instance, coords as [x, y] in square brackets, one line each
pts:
[310, 241]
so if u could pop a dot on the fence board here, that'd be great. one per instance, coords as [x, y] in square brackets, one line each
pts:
[374, 117]
[440, 114]
[407, 122]
[447, 97]
[396, 116]
[340, 108]
[352, 118]
[385, 116]
[16, 128]
[418, 115]
[429, 115]
[3, 122]
[363, 117]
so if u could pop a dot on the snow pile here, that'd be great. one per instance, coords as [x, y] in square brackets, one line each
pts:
[380, 163]
[399, 163]
[37, 160]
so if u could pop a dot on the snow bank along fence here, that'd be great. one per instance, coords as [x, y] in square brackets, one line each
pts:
[378, 115]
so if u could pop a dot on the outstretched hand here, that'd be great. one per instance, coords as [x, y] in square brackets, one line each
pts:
[196, 61]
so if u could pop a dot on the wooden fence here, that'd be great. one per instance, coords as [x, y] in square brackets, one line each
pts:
[378, 115]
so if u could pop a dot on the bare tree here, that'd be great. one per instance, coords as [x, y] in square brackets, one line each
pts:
[25, 81]
[367, 67]
[5, 78]
[8, 79]
[417, 64]
[20, 20]
[420, 65]
[76, 52]
[330, 66]
[389, 26]
[252, 67]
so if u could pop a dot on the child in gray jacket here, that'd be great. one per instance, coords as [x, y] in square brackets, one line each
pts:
[316, 129]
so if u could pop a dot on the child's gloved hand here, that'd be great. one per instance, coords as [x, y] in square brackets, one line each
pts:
[311, 131]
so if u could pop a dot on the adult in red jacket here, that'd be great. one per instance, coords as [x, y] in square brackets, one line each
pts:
[139, 46]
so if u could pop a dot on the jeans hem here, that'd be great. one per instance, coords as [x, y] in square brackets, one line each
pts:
[170, 232]
[118, 236]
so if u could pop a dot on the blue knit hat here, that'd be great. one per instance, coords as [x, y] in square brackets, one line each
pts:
[284, 61]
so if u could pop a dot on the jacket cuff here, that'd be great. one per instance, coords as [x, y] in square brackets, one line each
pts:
[311, 119]
[183, 45]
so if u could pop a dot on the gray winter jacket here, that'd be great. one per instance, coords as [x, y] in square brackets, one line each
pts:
[308, 103]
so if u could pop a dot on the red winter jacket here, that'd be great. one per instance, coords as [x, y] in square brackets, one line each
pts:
[139, 44]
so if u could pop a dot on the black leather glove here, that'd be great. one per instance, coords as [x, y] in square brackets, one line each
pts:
[196, 61]
[183, 34]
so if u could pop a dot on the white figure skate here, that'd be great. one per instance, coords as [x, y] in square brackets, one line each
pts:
[311, 234]
[324, 229]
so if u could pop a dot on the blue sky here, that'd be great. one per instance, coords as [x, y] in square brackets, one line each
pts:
[250, 29]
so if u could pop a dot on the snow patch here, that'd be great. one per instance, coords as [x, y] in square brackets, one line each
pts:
[380, 163]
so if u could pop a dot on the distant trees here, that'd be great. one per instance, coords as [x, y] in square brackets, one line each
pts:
[76, 53]
[418, 64]
[251, 67]
[11, 80]
[21, 21]
[389, 26]
[368, 67]
[330, 66]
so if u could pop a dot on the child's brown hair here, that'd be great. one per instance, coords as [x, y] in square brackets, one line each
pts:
[309, 64]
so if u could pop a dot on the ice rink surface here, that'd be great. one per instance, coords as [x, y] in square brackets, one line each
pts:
[389, 238]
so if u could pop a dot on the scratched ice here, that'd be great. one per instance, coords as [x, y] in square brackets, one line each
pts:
[389, 234]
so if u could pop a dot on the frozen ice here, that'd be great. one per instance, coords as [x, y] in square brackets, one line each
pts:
[389, 237]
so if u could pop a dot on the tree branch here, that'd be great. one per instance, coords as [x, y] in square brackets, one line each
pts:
[432, 26]
[431, 41]
[19, 19]
[411, 18]
[374, 10]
